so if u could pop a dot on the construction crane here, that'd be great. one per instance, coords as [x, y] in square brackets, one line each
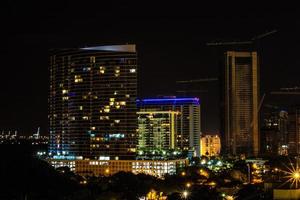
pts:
[247, 42]
[199, 80]
[251, 124]
[287, 91]
[195, 81]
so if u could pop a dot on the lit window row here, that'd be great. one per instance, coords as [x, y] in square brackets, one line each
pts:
[104, 117]
[78, 79]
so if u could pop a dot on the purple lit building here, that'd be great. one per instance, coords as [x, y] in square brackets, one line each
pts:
[188, 126]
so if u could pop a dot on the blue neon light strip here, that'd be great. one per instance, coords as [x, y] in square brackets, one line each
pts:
[165, 101]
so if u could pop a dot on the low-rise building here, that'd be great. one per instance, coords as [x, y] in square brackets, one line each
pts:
[156, 168]
[210, 145]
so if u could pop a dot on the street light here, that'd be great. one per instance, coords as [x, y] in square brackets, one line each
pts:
[185, 194]
[188, 185]
[296, 175]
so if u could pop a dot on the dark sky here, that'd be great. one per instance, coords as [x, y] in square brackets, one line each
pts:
[170, 39]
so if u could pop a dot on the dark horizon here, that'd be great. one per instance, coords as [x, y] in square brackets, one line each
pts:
[171, 44]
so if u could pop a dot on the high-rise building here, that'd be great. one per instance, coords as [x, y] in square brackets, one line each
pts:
[188, 125]
[294, 130]
[157, 131]
[274, 132]
[210, 145]
[240, 94]
[92, 102]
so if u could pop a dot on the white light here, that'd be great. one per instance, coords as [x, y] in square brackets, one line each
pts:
[132, 70]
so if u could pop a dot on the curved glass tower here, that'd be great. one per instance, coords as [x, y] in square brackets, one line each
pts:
[92, 109]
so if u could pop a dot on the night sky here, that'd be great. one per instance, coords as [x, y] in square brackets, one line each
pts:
[171, 42]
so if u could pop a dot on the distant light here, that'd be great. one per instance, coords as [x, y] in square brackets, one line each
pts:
[188, 185]
[219, 163]
[185, 194]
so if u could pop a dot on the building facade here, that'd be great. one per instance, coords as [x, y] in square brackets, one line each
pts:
[188, 122]
[92, 108]
[240, 94]
[294, 130]
[274, 132]
[157, 131]
[210, 145]
[156, 168]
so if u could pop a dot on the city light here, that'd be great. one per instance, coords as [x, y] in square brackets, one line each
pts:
[185, 194]
[188, 185]
[293, 175]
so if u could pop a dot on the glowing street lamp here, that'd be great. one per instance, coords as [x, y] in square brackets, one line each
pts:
[185, 194]
[188, 185]
[296, 175]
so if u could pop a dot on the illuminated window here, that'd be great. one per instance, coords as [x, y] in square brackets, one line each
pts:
[92, 59]
[117, 106]
[127, 95]
[78, 79]
[117, 121]
[93, 128]
[86, 69]
[80, 107]
[112, 99]
[85, 117]
[102, 70]
[132, 70]
[106, 110]
[64, 91]
[116, 92]
[117, 71]
[122, 103]
[65, 98]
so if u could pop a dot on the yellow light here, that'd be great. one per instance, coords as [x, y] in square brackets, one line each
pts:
[292, 175]
[212, 183]
[107, 171]
[188, 185]
[228, 197]
[255, 166]
[185, 194]
[183, 173]
[296, 175]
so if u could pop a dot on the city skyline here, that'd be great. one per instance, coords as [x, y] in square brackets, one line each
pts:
[149, 100]
[167, 42]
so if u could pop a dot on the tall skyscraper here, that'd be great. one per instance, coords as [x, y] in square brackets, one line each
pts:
[188, 126]
[240, 93]
[92, 102]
